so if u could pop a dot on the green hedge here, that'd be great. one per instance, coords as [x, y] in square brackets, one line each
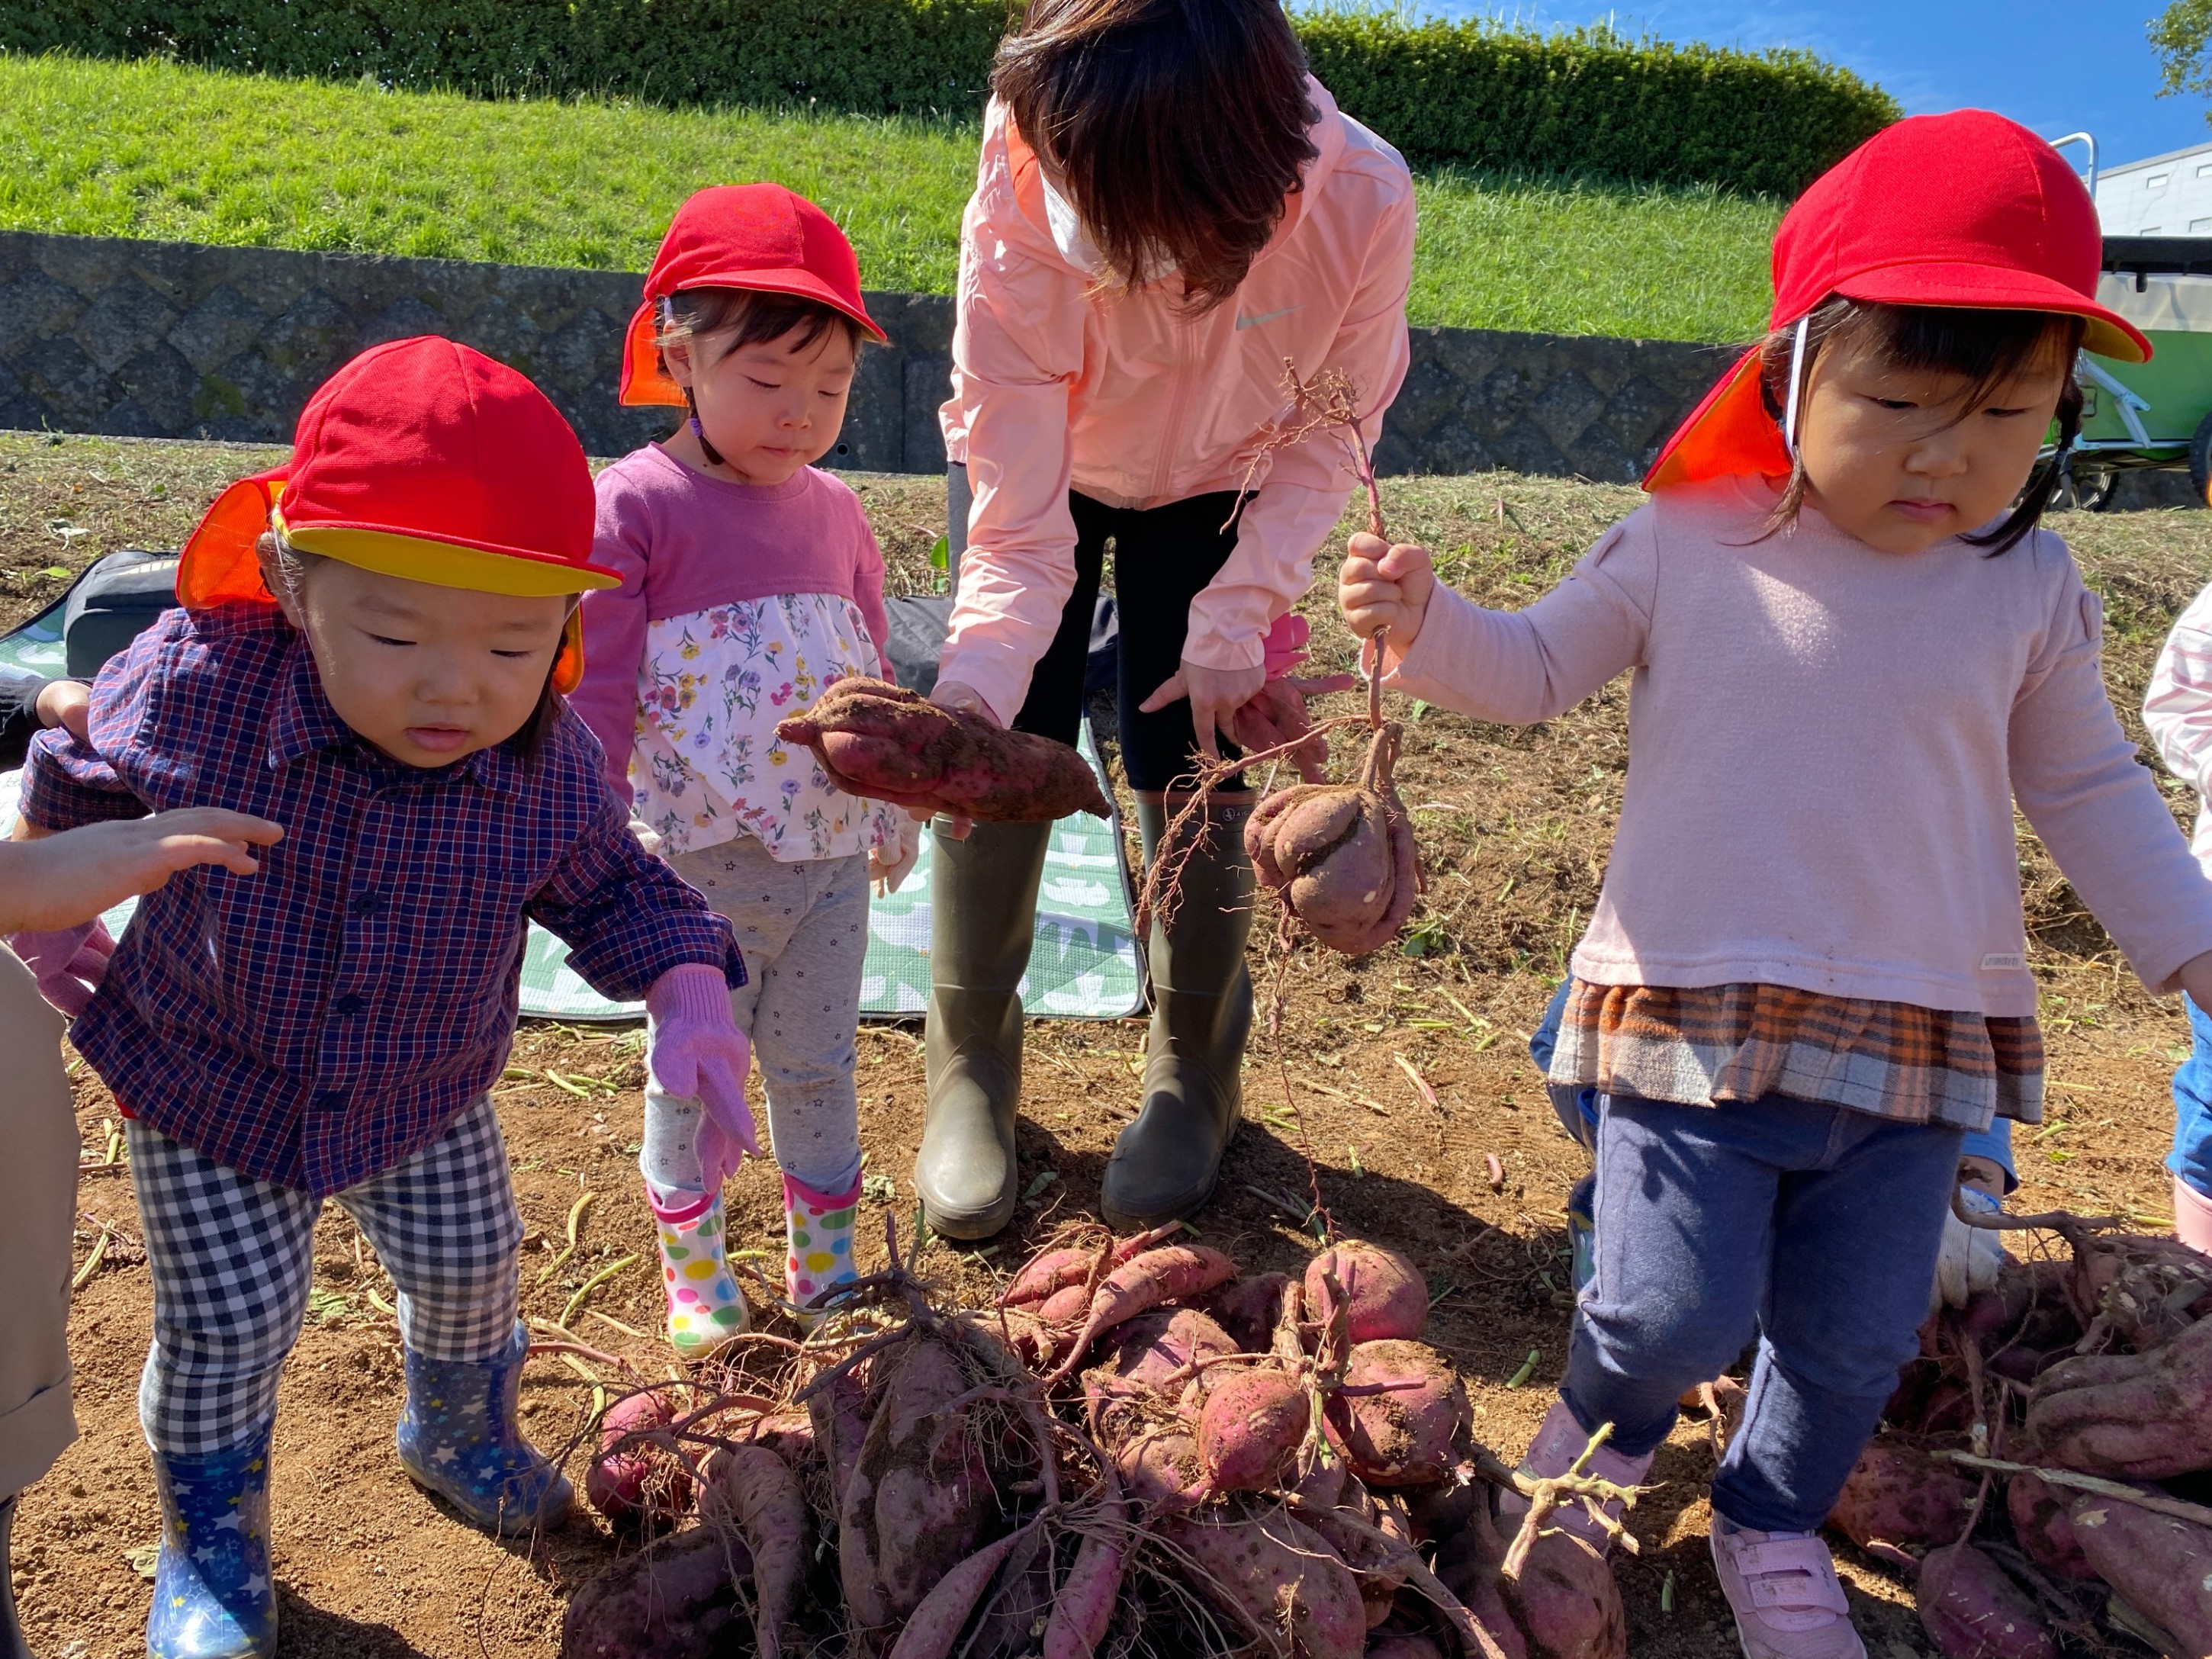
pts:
[1466, 94]
[1590, 102]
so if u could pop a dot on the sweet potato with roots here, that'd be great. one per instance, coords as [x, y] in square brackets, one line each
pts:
[1278, 1577]
[1246, 1309]
[2161, 1565]
[1052, 1270]
[1470, 1556]
[888, 743]
[1152, 1362]
[632, 1481]
[1567, 1601]
[919, 1497]
[752, 1489]
[1898, 1495]
[2141, 1416]
[1175, 1273]
[1385, 1296]
[1971, 1609]
[1253, 1423]
[2145, 1291]
[1085, 1606]
[1341, 855]
[1398, 1415]
[2041, 1521]
[675, 1600]
[1159, 1468]
[941, 1616]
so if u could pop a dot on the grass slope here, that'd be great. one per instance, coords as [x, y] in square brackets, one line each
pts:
[154, 149]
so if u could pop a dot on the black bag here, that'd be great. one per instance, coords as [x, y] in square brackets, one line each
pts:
[112, 604]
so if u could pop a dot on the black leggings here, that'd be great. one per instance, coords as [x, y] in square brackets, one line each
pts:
[1164, 557]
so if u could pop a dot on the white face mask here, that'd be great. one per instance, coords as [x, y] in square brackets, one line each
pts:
[1068, 235]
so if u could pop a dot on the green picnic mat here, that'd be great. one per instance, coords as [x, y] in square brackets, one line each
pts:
[1083, 965]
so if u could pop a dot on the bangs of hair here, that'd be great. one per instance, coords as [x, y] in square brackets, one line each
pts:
[1986, 348]
[1178, 129]
[748, 317]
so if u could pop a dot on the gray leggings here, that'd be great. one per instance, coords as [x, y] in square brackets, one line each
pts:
[804, 929]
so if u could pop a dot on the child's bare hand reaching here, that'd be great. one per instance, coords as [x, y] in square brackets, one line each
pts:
[1386, 586]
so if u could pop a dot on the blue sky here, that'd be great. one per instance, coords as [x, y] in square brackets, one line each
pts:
[2054, 65]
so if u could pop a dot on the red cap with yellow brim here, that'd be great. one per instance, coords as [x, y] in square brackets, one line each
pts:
[421, 459]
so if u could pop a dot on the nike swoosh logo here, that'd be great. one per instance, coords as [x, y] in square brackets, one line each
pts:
[1267, 317]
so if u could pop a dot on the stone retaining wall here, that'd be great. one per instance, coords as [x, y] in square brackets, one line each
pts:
[178, 340]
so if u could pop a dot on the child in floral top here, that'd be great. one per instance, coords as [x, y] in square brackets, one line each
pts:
[751, 585]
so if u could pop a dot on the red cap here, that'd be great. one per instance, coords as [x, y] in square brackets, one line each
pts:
[1966, 210]
[756, 236]
[424, 459]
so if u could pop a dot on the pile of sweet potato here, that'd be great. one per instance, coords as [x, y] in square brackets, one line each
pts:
[1135, 1447]
[2091, 1379]
[884, 742]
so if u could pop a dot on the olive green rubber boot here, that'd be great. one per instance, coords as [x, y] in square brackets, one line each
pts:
[1165, 1164]
[982, 897]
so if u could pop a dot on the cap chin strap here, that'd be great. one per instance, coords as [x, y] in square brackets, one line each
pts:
[1797, 380]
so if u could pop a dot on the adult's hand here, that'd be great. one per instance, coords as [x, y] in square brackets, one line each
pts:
[55, 881]
[1277, 715]
[961, 699]
[1215, 694]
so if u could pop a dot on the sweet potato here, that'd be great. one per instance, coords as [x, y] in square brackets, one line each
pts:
[1566, 1601]
[1384, 1294]
[1158, 1468]
[676, 1600]
[916, 1503]
[2145, 1289]
[2161, 1566]
[1341, 855]
[1381, 1564]
[1469, 1559]
[632, 1481]
[1052, 1270]
[1171, 1274]
[1065, 1305]
[1152, 1360]
[1084, 1606]
[1398, 1415]
[754, 1491]
[2045, 1530]
[1402, 1644]
[1247, 1307]
[888, 743]
[839, 1413]
[1254, 1421]
[1971, 1609]
[1898, 1495]
[1279, 1577]
[2143, 1416]
[940, 1616]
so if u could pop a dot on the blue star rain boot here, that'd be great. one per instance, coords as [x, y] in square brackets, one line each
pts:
[212, 1597]
[457, 1437]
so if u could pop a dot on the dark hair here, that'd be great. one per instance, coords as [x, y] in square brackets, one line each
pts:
[751, 317]
[293, 564]
[1178, 127]
[1985, 346]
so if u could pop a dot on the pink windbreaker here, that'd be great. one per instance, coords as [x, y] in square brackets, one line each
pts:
[1136, 405]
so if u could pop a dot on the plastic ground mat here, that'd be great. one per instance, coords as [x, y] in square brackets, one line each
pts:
[1083, 966]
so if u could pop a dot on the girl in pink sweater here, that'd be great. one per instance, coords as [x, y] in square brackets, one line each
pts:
[1807, 976]
[751, 584]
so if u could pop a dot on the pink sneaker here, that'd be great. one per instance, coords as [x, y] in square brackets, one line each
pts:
[2193, 1217]
[1560, 1440]
[1783, 1588]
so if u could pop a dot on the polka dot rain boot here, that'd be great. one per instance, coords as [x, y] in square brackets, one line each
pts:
[705, 1306]
[818, 1231]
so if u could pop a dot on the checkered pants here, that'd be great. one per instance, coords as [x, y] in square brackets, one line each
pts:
[233, 1259]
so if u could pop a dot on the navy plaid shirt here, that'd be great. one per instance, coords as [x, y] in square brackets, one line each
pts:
[326, 1019]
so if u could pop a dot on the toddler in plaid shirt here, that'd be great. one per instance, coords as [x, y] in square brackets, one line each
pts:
[373, 649]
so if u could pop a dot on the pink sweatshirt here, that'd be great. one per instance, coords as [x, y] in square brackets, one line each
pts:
[1136, 403]
[1825, 743]
[685, 542]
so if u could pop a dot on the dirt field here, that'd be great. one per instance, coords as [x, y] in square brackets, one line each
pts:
[1514, 827]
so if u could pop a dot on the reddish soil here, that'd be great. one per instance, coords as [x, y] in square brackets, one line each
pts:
[1514, 827]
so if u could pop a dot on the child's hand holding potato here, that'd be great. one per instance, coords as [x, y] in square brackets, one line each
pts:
[1384, 585]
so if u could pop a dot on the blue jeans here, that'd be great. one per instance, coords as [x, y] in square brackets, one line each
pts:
[1815, 1228]
[2192, 1156]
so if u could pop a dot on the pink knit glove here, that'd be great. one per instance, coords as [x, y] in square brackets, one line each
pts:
[68, 963]
[698, 1053]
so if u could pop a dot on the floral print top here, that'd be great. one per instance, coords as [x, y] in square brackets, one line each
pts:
[707, 765]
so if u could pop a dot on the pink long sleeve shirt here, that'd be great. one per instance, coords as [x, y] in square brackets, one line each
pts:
[1826, 743]
[685, 656]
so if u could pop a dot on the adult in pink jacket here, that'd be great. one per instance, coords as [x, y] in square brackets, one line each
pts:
[1169, 210]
